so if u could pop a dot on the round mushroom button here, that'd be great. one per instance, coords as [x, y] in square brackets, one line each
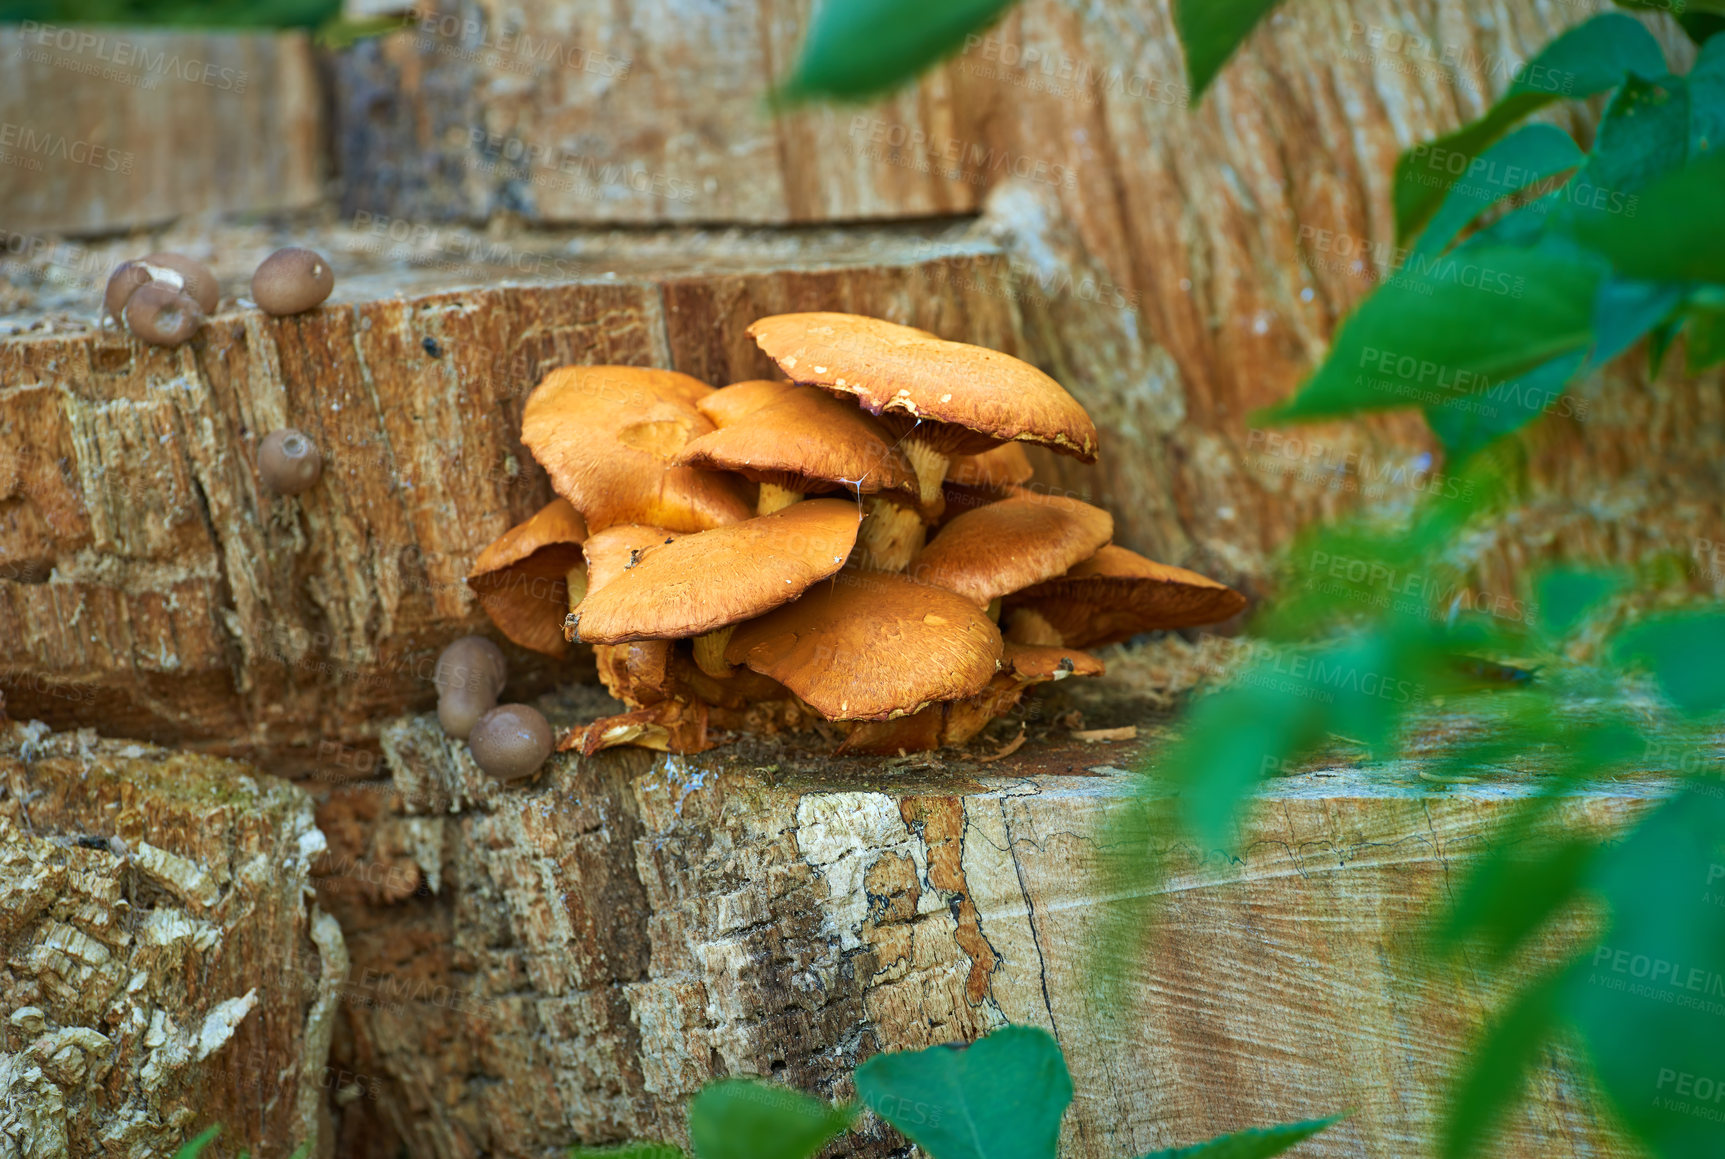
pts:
[459, 709]
[162, 316]
[197, 282]
[472, 664]
[122, 284]
[288, 461]
[292, 281]
[511, 741]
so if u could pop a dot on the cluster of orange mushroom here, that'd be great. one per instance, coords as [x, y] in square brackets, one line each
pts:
[855, 550]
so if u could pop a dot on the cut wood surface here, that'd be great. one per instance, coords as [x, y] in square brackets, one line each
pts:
[571, 961]
[151, 586]
[161, 968]
[104, 128]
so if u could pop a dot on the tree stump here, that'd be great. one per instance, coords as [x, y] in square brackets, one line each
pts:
[572, 961]
[161, 968]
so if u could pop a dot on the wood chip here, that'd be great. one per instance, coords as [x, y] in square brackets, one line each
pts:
[1006, 749]
[1092, 735]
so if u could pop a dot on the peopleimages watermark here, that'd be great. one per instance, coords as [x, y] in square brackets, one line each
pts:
[1411, 53]
[102, 53]
[79, 264]
[470, 38]
[568, 171]
[1421, 380]
[25, 147]
[1674, 983]
[1310, 461]
[398, 239]
[951, 158]
[1691, 1094]
[1357, 577]
[1490, 180]
[1026, 66]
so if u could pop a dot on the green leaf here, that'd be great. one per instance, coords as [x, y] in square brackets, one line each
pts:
[1466, 425]
[1531, 154]
[1659, 344]
[1677, 233]
[194, 1146]
[1705, 338]
[1564, 595]
[746, 1119]
[1252, 1143]
[1002, 1097]
[1511, 894]
[1497, 1067]
[629, 1151]
[1453, 328]
[1589, 58]
[1627, 309]
[1649, 1000]
[1210, 31]
[1674, 231]
[1684, 653]
[858, 49]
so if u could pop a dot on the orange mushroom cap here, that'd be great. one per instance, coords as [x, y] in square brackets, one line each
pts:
[961, 398]
[607, 434]
[872, 646]
[707, 580]
[730, 404]
[804, 441]
[1116, 594]
[522, 578]
[1004, 547]
[994, 470]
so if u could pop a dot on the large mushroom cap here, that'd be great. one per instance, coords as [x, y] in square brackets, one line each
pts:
[872, 646]
[710, 579]
[804, 441]
[982, 397]
[607, 434]
[522, 579]
[733, 403]
[1004, 547]
[1116, 593]
[613, 551]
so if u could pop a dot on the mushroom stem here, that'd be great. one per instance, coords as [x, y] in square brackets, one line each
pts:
[1027, 626]
[576, 580]
[710, 652]
[994, 609]
[930, 466]
[890, 534]
[776, 498]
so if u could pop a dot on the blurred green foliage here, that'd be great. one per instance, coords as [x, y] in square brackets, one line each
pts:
[176, 13]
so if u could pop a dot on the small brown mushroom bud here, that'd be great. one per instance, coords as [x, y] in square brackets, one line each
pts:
[292, 281]
[471, 665]
[460, 709]
[511, 741]
[196, 280]
[162, 316]
[122, 284]
[288, 461]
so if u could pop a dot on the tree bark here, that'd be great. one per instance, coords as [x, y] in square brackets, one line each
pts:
[161, 968]
[583, 954]
[154, 587]
[110, 128]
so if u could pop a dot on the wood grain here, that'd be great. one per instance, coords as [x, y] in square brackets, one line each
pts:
[105, 128]
[176, 980]
[150, 585]
[629, 928]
